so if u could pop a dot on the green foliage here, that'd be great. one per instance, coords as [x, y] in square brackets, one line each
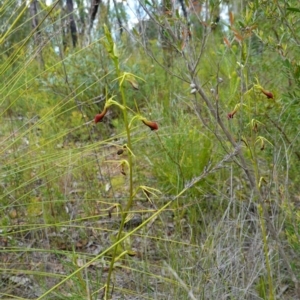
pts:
[203, 207]
[183, 153]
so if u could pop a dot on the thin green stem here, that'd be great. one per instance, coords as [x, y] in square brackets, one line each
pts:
[268, 266]
[130, 199]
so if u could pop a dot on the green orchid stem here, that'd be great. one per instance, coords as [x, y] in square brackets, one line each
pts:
[266, 251]
[130, 199]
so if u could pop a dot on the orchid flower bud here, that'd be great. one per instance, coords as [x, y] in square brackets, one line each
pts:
[231, 114]
[99, 117]
[268, 94]
[152, 125]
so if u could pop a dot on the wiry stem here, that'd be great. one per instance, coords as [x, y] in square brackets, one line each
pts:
[130, 199]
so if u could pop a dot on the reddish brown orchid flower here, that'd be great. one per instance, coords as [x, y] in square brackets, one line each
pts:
[152, 125]
[268, 94]
[99, 117]
[231, 114]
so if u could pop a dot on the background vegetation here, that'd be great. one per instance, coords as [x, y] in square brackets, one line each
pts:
[205, 207]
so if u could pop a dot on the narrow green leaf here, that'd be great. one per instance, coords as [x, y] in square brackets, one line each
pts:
[293, 9]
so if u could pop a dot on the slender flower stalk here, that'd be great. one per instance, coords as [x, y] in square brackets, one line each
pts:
[111, 47]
